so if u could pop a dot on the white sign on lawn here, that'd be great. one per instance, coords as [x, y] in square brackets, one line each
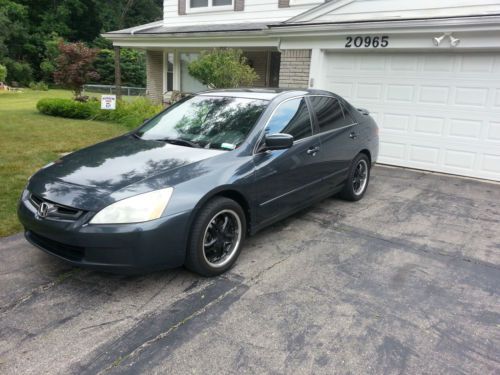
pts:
[108, 101]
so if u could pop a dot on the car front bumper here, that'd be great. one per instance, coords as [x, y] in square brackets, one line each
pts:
[121, 248]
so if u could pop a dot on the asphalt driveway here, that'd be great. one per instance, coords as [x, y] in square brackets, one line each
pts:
[407, 280]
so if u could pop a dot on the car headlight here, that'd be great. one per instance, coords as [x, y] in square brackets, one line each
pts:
[137, 209]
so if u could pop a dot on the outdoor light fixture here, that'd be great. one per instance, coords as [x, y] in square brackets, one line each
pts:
[437, 40]
[453, 41]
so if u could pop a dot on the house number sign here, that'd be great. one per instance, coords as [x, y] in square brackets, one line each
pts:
[367, 41]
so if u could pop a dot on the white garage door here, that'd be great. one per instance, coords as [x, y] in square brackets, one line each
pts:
[438, 112]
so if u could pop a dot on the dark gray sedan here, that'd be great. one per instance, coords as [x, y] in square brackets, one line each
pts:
[189, 185]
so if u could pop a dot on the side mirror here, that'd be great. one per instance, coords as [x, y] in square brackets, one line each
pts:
[278, 141]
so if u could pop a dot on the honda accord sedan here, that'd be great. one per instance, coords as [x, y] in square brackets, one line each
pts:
[191, 183]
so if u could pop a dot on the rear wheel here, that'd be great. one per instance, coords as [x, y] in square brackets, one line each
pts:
[357, 180]
[216, 237]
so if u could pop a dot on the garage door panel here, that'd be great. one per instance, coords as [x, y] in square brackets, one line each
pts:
[469, 130]
[396, 122]
[434, 94]
[474, 97]
[370, 91]
[497, 99]
[426, 125]
[477, 63]
[435, 111]
[438, 63]
[494, 132]
[491, 163]
[400, 93]
[460, 159]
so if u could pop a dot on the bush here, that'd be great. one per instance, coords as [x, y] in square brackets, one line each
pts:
[3, 73]
[223, 68]
[65, 108]
[39, 86]
[19, 72]
[131, 114]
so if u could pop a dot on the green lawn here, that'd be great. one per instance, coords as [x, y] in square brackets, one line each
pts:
[29, 140]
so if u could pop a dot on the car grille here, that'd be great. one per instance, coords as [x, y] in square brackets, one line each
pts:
[75, 253]
[57, 211]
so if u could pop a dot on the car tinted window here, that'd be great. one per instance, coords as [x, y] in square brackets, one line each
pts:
[208, 121]
[329, 113]
[291, 117]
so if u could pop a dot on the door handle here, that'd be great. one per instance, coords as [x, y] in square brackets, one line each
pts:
[353, 135]
[312, 150]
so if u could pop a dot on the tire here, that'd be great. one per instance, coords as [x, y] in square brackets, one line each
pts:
[209, 252]
[352, 191]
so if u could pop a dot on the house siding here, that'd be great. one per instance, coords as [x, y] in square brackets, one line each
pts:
[154, 71]
[294, 68]
[253, 11]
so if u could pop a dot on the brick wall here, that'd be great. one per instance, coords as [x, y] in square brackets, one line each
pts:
[154, 71]
[294, 68]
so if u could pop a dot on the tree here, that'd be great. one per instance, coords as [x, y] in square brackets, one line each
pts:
[75, 66]
[223, 68]
[3, 73]
[133, 66]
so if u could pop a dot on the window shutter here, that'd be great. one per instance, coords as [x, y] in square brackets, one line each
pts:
[239, 5]
[283, 3]
[181, 8]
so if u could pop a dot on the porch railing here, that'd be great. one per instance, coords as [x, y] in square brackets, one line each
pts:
[111, 89]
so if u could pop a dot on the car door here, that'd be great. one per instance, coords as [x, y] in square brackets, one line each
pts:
[285, 179]
[338, 136]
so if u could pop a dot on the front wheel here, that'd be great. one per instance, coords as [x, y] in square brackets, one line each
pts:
[216, 237]
[357, 179]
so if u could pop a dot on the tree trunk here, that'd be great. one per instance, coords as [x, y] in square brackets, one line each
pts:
[118, 74]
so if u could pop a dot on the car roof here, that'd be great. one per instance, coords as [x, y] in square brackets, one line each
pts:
[262, 93]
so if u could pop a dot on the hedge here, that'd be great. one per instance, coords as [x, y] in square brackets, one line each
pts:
[65, 108]
[129, 113]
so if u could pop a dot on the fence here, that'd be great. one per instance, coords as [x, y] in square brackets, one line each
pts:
[111, 89]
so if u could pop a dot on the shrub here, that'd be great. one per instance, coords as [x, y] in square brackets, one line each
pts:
[223, 68]
[75, 66]
[129, 113]
[65, 108]
[18, 72]
[39, 86]
[3, 73]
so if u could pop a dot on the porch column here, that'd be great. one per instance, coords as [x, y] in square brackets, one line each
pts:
[118, 74]
[294, 68]
[154, 72]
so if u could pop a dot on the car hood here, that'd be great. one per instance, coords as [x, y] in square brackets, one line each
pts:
[93, 173]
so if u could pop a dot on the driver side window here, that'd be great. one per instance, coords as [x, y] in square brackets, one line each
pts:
[291, 117]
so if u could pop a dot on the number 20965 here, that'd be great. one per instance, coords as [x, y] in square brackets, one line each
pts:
[367, 41]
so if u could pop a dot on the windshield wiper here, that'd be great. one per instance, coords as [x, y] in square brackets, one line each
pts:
[180, 142]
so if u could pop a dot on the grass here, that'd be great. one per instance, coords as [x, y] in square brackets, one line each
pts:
[29, 140]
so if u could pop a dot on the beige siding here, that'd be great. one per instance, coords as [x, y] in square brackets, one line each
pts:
[294, 68]
[154, 70]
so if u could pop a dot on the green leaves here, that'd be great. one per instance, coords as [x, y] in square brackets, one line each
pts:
[223, 68]
[3, 73]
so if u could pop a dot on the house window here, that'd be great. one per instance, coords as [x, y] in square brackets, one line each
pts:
[170, 71]
[197, 4]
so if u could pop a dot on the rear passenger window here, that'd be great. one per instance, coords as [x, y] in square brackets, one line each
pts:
[329, 113]
[291, 117]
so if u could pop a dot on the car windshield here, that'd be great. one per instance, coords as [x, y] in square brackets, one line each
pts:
[205, 121]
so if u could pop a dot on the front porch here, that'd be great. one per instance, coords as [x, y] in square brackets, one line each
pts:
[167, 70]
